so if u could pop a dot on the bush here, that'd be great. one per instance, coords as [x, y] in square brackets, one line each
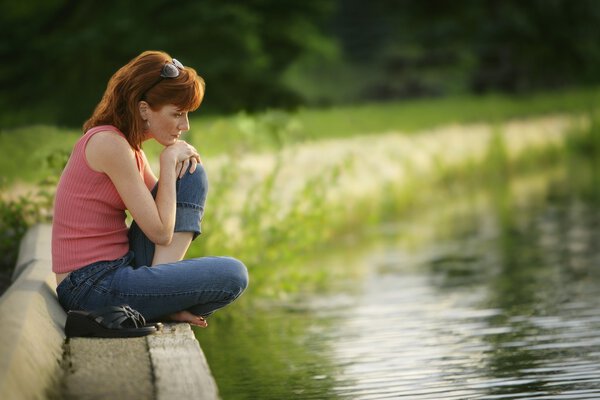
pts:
[19, 213]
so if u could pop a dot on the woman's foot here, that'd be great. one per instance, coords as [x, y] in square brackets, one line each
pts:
[186, 316]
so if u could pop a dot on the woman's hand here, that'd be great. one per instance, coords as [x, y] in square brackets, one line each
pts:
[182, 166]
[181, 154]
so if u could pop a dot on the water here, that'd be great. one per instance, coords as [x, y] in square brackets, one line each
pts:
[490, 294]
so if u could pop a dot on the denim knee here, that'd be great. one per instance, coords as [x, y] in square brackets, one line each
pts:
[237, 278]
[192, 190]
[192, 187]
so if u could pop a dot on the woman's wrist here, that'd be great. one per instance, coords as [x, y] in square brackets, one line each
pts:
[167, 156]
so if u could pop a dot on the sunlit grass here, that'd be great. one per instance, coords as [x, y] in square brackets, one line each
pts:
[268, 130]
[23, 150]
[275, 248]
[270, 235]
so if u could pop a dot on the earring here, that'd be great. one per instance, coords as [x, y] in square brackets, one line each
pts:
[147, 124]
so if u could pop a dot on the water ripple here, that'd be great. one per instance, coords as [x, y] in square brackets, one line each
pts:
[404, 339]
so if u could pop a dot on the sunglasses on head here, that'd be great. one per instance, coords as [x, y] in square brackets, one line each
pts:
[171, 70]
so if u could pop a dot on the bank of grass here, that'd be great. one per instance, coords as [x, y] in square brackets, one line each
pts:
[276, 250]
[274, 128]
[26, 154]
[312, 224]
[23, 151]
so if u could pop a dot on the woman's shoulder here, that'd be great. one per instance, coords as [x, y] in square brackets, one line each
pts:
[105, 147]
[103, 128]
[109, 139]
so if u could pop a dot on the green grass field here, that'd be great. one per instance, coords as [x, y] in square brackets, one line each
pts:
[32, 153]
[24, 151]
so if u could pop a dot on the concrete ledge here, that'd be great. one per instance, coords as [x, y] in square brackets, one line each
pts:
[32, 321]
[108, 369]
[36, 362]
[180, 368]
[167, 365]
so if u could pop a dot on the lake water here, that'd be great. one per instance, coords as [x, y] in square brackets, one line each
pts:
[481, 294]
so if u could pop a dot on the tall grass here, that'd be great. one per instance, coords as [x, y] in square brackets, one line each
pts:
[23, 150]
[274, 128]
[18, 213]
[273, 245]
[267, 238]
[25, 153]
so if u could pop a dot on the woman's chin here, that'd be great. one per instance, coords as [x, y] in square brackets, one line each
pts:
[165, 143]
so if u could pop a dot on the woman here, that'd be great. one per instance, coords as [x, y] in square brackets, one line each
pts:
[98, 261]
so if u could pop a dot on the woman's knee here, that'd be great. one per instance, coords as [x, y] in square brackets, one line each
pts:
[196, 179]
[192, 188]
[237, 275]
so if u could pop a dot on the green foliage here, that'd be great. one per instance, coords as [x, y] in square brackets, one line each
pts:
[584, 144]
[270, 242]
[585, 140]
[414, 48]
[243, 132]
[293, 332]
[266, 236]
[18, 213]
[29, 154]
[64, 51]
[275, 127]
[417, 115]
[497, 158]
[262, 54]
[15, 217]
[23, 151]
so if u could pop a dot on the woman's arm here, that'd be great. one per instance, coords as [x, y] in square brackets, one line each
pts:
[110, 153]
[149, 178]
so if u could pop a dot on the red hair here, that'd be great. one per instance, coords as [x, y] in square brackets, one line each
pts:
[140, 80]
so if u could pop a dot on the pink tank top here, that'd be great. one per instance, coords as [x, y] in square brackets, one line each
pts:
[89, 215]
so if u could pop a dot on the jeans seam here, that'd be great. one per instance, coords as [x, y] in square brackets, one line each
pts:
[93, 284]
[188, 205]
[174, 294]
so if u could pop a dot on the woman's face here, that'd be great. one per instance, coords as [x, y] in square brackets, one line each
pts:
[167, 124]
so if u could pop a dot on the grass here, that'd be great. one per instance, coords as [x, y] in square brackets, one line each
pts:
[27, 154]
[275, 248]
[23, 151]
[274, 128]
[269, 242]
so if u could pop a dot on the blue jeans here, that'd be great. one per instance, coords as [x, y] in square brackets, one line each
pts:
[199, 285]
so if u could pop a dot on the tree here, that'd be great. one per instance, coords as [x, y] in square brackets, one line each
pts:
[64, 51]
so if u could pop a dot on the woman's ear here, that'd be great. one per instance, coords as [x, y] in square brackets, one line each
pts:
[143, 108]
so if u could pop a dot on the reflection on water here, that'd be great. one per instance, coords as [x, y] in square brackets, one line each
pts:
[492, 300]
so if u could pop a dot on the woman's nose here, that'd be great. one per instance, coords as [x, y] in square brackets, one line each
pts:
[184, 124]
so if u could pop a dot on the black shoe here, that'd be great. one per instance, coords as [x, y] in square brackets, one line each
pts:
[109, 322]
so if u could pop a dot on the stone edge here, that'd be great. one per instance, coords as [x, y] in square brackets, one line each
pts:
[31, 321]
[32, 336]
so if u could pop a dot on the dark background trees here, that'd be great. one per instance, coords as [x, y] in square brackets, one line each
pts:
[58, 54]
